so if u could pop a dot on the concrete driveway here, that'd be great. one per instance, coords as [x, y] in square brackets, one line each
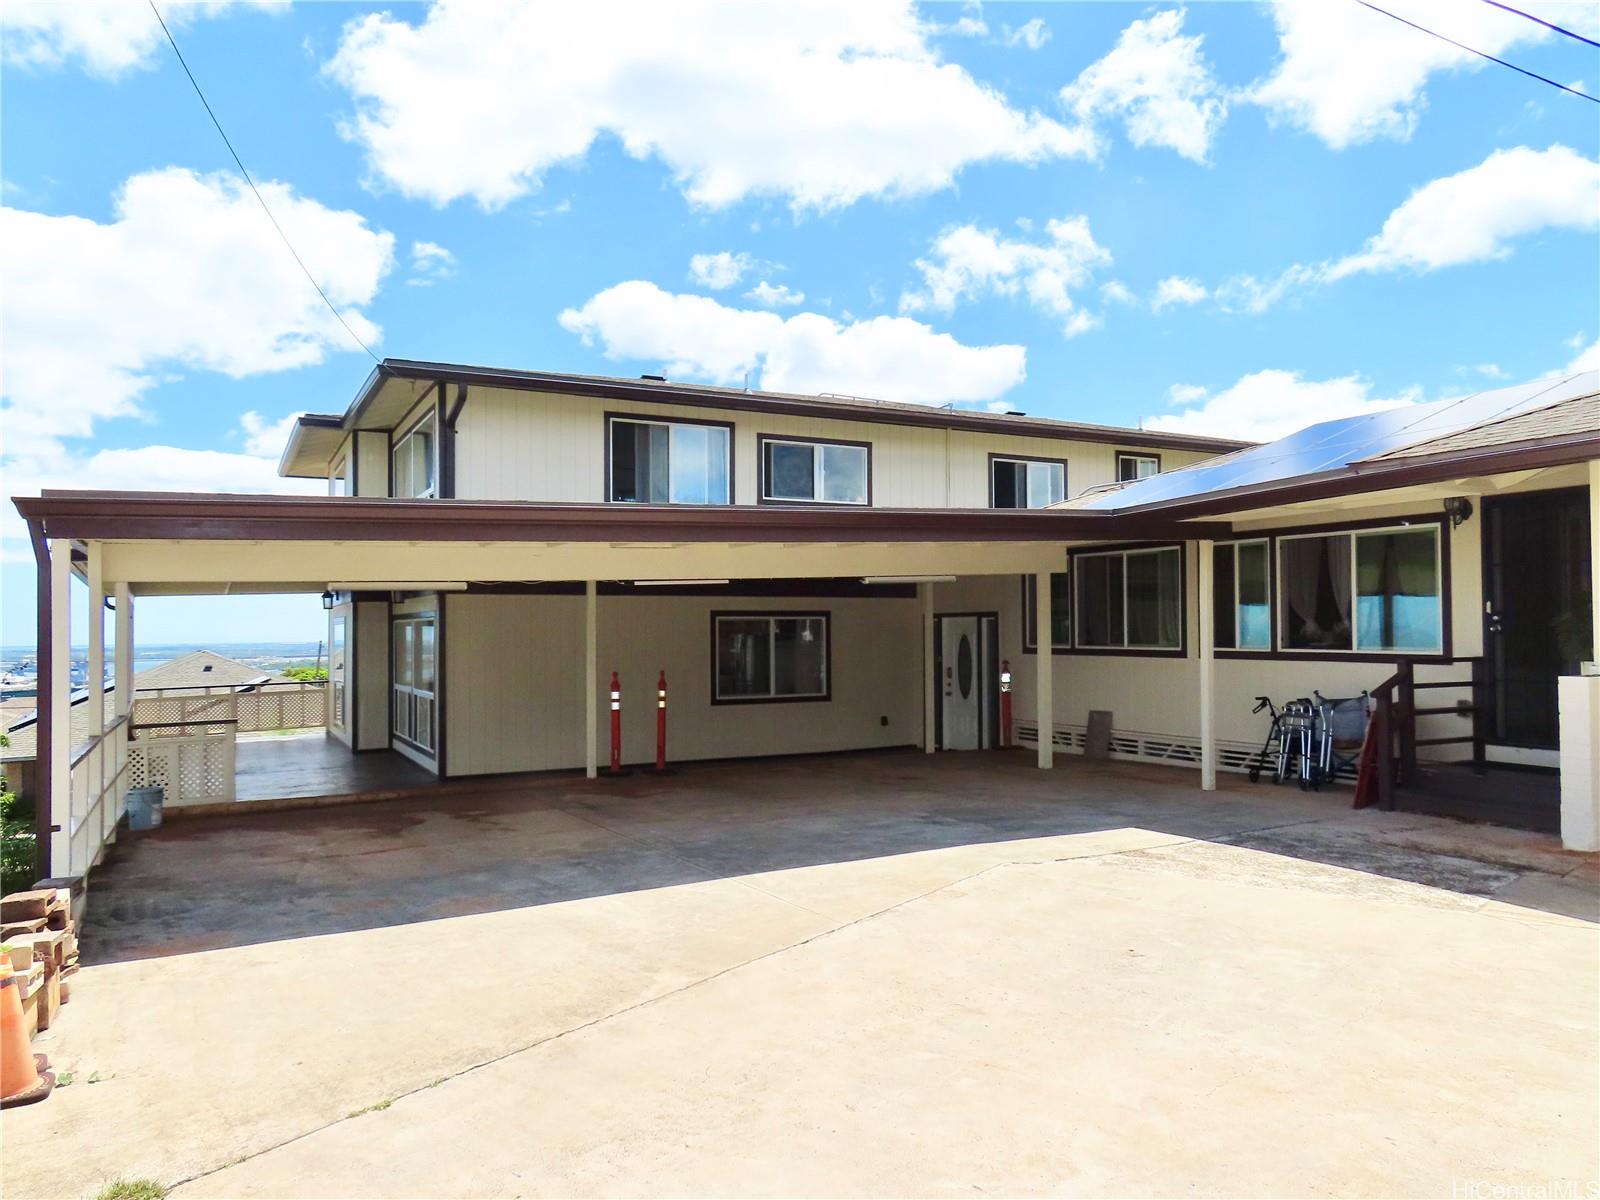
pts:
[871, 975]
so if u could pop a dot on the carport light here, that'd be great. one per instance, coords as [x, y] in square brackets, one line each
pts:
[391, 585]
[679, 582]
[909, 579]
[327, 601]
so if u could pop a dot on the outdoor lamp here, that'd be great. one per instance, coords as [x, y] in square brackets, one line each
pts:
[1458, 509]
[327, 601]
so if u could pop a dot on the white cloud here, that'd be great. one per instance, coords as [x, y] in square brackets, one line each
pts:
[1175, 289]
[264, 438]
[1349, 75]
[720, 270]
[1031, 34]
[1471, 216]
[1158, 83]
[109, 36]
[967, 26]
[1117, 292]
[821, 104]
[1267, 405]
[188, 274]
[1588, 359]
[887, 358]
[429, 262]
[966, 262]
[779, 295]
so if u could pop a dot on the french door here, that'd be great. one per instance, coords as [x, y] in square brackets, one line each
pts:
[414, 703]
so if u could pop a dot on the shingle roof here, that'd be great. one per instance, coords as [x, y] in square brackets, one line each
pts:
[1578, 415]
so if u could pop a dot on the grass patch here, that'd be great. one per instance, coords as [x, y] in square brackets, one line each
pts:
[132, 1189]
[378, 1107]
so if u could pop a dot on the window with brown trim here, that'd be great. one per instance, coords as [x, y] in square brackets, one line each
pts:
[669, 462]
[413, 469]
[1026, 482]
[1132, 466]
[1060, 612]
[1362, 591]
[763, 657]
[1129, 599]
[1241, 588]
[804, 471]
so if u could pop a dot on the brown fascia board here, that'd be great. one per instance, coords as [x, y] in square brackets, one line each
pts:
[202, 517]
[1377, 475]
[653, 392]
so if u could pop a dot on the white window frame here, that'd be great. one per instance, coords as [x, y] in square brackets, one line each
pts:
[1272, 610]
[1029, 465]
[770, 696]
[615, 419]
[1356, 649]
[428, 425]
[1134, 456]
[338, 655]
[1125, 555]
[818, 471]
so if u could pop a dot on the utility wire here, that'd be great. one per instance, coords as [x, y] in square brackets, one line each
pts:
[1546, 24]
[264, 208]
[1479, 53]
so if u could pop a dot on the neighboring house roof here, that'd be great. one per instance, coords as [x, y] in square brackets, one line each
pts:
[1544, 423]
[396, 385]
[189, 672]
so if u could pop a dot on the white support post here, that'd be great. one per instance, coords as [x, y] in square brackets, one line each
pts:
[1579, 699]
[1594, 558]
[1208, 716]
[1044, 671]
[591, 683]
[97, 642]
[930, 736]
[124, 650]
[60, 702]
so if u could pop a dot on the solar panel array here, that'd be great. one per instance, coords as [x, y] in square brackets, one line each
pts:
[1334, 445]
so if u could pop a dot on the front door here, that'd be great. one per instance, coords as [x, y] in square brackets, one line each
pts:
[1537, 584]
[966, 682]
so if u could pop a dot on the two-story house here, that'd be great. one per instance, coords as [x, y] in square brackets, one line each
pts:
[827, 573]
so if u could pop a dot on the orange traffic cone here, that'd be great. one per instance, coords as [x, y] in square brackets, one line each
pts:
[23, 1074]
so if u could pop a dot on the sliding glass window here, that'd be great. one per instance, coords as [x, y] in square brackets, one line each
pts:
[1364, 591]
[1241, 593]
[660, 462]
[1129, 599]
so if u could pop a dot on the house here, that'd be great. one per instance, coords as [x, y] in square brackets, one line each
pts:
[825, 573]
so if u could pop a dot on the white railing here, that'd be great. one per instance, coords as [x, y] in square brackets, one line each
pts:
[97, 797]
[270, 707]
[192, 762]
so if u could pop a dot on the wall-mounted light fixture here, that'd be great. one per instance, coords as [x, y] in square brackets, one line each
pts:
[1458, 509]
[327, 601]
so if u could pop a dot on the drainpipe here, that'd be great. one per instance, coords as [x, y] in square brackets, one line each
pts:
[447, 465]
[44, 732]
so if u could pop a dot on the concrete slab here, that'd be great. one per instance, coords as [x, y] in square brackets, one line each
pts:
[875, 975]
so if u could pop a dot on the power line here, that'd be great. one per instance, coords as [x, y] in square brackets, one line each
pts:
[239, 162]
[1546, 24]
[1479, 53]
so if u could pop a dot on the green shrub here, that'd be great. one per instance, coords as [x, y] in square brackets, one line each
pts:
[17, 849]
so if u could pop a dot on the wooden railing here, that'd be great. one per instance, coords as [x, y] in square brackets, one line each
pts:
[1395, 716]
[97, 797]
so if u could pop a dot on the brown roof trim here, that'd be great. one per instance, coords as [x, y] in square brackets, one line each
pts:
[204, 517]
[835, 408]
[1377, 475]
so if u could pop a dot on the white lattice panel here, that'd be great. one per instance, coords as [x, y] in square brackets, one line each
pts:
[189, 770]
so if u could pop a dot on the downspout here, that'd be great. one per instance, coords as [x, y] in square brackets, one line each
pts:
[448, 465]
[43, 722]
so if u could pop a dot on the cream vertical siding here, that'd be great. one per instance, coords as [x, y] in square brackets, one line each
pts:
[537, 446]
[372, 462]
[514, 681]
[369, 673]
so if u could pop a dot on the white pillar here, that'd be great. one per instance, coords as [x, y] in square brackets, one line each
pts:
[1208, 688]
[124, 650]
[60, 702]
[591, 684]
[1044, 670]
[97, 642]
[930, 736]
[1579, 701]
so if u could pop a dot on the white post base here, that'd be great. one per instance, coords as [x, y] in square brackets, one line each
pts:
[1580, 762]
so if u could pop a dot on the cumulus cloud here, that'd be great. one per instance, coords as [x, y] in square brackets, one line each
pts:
[1158, 83]
[1267, 405]
[1472, 216]
[1349, 75]
[430, 262]
[1032, 34]
[109, 37]
[818, 104]
[966, 263]
[1588, 359]
[720, 270]
[887, 358]
[1175, 289]
[187, 274]
[779, 295]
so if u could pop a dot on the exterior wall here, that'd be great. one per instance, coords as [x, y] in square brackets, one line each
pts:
[369, 674]
[514, 680]
[523, 446]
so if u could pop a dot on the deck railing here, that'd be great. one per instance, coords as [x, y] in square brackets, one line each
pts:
[263, 708]
[1395, 717]
[99, 779]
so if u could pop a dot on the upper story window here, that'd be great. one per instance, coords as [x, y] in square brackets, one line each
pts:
[1026, 482]
[1129, 599]
[1242, 593]
[795, 471]
[1131, 466]
[669, 462]
[412, 462]
[1372, 591]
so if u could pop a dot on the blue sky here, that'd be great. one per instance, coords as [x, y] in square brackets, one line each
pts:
[1227, 217]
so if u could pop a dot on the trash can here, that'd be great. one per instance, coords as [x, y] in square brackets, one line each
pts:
[144, 807]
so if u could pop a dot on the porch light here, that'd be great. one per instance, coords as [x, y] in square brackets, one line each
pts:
[1458, 509]
[908, 579]
[327, 601]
